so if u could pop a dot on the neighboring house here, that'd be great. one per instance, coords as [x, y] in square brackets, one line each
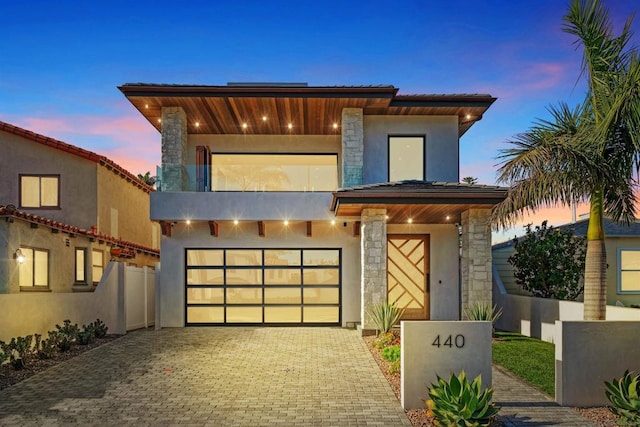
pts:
[623, 261]
[293, 204]
[65, 213]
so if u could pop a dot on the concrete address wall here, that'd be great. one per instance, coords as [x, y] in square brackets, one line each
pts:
[30, 313]
[536, 317]
[590, 353]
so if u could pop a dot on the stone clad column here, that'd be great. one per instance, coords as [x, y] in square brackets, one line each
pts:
[476, 258]
[352, 146]
[373, 245]
[174, 149]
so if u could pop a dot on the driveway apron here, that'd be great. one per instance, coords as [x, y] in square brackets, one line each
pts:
[232, 376]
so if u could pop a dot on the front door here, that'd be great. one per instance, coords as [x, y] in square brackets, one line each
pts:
[408, 275]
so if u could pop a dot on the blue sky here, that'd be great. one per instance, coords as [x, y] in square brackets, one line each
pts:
[61, 61]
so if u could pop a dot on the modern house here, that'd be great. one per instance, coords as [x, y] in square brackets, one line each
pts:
[65, 212]
[294, 204]
[622, 244]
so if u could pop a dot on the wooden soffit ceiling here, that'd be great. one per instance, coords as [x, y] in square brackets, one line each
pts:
[297, 110]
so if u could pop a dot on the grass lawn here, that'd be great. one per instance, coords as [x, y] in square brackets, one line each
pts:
[528, 358]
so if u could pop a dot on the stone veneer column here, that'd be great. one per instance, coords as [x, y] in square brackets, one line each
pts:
[476, 258]
[352, 146]
[373, 261]
[174, 149]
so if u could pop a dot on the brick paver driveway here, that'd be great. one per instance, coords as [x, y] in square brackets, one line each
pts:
[212, 376]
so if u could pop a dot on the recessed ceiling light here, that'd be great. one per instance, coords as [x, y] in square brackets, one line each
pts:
[410, 220]
[468, 116]
[335, 126]
[197, 124]
[290, 125]
[188, 222]
[386, 217]
[159, 120]
[235, 222]
[146, 105]
[264, 118]
[448, 217]
[286, 222]
[333, 222]
[244, 126]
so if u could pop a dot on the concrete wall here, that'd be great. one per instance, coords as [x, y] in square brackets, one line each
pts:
[441, 139]
[444, 267]
[590, 353]
[536, 317]
[129, 204]
[260, 144]
[77, 198]
[171, 284]
[431, 349]
[29, 313]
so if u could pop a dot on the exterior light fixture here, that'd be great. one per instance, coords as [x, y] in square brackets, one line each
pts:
[335, 126]
[159, 120]
[188, 222]
[197, 124]
[448, 217]
[264, 118]
[333, 222]
[244, 126]
[290, 125]
[146, 105]
[286, 222]
[235, 222]
[468, 116]
[19, 256]
[410, 220]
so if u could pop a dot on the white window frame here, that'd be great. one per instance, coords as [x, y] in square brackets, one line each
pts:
[40, 204]
[619, 272]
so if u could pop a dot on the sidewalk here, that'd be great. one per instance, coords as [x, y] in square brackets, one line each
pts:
[523, 405]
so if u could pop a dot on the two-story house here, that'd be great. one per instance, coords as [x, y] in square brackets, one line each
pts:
[65, 212]
[293, 204]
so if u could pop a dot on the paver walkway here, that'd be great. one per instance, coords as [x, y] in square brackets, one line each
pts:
[238, 377]
[522, 405]
[212, 376]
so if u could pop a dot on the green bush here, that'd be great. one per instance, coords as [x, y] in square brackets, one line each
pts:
[391, 353]
[384, 340]
[459, 403]
[47, 348]
[99, 328]
[87, 335]
[394, 367]
[624, 395]
[384, 316]
[4, 352]
[549, 262]
[68, 335]
[18, 351]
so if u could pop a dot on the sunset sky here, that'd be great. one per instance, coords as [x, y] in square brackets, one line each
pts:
[62, 61]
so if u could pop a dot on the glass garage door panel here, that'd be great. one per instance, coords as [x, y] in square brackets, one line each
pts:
[263, 286]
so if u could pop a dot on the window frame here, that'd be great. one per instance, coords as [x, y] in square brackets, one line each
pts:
[212, 166]
[39, 176]
[619, 289]
[93, 279]
[33, 286]
[84, 266]
[424, 153]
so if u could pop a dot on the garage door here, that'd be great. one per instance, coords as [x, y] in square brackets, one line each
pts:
[263, 286]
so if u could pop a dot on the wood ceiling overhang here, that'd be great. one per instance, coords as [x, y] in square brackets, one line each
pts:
[310, 110]
[435, 206]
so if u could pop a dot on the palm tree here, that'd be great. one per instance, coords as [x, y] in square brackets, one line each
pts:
[470, 180]
[147, 178]
[588, 153]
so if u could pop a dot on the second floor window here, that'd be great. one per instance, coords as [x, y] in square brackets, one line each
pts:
[406, 158]
[274, 172]
[39, 191]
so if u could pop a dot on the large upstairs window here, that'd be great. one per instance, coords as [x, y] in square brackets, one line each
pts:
[39, 191]
[274, 172]
[406, 158]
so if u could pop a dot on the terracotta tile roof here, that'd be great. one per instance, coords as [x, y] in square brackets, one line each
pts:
[10, 211]
[77, 151]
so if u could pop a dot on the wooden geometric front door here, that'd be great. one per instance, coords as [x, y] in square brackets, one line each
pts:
[408, 275]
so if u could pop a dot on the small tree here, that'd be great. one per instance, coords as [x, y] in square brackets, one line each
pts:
[470, 180]
[549, 262]
[147, 178]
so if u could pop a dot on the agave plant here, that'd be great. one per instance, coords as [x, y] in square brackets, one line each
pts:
[384, 316]
[483, 311]
[624, 395]
[459, 403]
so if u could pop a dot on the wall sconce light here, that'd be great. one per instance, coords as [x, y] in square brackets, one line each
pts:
[19, 256]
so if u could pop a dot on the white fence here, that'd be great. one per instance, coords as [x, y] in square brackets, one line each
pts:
[536, 317]
[124, 300]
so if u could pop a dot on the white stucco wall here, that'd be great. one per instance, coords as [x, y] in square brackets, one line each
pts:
[245, 235]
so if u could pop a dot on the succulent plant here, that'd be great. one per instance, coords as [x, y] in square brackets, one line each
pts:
[384, 316]
[623, 393]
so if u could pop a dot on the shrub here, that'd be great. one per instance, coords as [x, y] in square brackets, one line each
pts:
[87, 335]
[458, 403]
[394, 367]
[100, 329]
[67, 335]
[483, 311]
[19, 351]
[384, 340]
[47, 347]
[4, 354]
[384, 316]
[624, 395]
[549, 262]
[391, 353]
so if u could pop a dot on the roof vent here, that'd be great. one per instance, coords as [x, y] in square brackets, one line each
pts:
[267, 84]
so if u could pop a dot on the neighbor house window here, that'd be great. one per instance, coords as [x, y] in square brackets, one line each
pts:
[629, 271]
[39, 191]
[81, 265]
[406, 158]
[274, 172]
[97, 265]
[34, 271]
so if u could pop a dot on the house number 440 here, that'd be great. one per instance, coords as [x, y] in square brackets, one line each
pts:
[450, 341]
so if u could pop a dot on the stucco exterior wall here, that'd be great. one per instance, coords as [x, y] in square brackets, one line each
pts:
[259, 144]
[171, 283]
[77, 198]
[127, 207]
[441, 143]
[443, 266]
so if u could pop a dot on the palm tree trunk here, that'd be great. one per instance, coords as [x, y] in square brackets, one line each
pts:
[595, 275]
